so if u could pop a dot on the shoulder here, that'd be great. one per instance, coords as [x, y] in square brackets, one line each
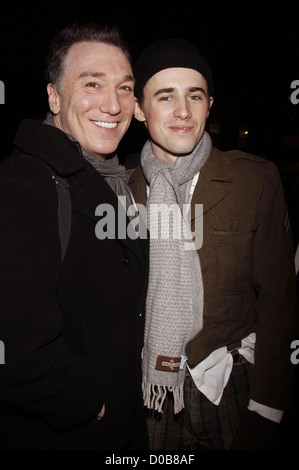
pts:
[49, 144]
[239, 163]
[27, 180]
[237, 155]
[137, 185]
[134, 175]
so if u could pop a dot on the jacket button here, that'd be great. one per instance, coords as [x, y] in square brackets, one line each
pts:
[125, 261]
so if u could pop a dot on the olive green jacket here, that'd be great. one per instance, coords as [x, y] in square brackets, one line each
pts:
[247, 263]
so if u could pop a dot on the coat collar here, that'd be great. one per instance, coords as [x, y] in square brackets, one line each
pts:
[50, 145]
[53, 147]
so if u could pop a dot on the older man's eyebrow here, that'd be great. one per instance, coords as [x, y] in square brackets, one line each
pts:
[128, 78]
[125, 78]
[91, 74]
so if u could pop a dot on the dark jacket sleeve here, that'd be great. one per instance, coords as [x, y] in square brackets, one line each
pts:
[274, 279]
[41, 375]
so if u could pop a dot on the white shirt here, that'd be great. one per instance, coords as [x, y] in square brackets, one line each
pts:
[212, 374]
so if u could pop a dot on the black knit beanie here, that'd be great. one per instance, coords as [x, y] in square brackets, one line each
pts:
[168, 53]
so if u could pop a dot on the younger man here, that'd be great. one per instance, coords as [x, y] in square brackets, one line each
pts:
[229, 308]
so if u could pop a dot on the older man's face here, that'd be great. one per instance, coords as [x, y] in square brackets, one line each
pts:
[95, 104]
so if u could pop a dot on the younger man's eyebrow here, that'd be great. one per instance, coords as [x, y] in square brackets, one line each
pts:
[194, 89]
[164, 90]
[171, 90]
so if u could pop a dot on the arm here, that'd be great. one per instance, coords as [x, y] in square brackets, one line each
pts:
[41, 375]
[274, 276]
[275, 282]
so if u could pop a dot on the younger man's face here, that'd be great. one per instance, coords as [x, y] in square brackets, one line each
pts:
[175, 109]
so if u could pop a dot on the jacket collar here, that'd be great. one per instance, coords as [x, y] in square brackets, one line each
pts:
[50, 145]
[213, 186]
[214, 181]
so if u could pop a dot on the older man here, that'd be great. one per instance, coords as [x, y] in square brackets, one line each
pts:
[71, 327]
[220, 317]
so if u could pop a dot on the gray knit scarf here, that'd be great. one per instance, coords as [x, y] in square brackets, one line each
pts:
[110, 169]
[174, 305]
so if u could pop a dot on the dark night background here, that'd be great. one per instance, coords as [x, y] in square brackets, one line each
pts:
[253, 54]
[253, 51]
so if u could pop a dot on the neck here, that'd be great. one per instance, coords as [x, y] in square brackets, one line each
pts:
[166, 156]
[163, 155]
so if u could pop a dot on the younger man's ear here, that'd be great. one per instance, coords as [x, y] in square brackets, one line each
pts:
[138, 113]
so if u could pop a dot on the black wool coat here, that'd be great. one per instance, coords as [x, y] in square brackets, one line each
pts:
[72, 331]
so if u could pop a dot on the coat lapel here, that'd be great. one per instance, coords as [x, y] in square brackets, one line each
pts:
[91, 190]
[213, 183]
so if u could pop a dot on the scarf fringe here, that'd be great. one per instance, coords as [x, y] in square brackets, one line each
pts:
[154, 396]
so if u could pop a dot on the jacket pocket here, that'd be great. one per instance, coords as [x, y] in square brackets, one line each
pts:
[233, 239]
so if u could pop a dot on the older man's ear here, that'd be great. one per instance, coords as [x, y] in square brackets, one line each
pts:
[53, 98]
[138, 113]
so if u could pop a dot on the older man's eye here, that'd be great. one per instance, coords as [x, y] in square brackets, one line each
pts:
[126, 88]
[92, 84]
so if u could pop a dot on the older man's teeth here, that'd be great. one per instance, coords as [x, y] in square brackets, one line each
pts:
[107, 125]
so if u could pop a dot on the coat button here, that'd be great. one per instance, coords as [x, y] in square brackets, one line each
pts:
[125, 261]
